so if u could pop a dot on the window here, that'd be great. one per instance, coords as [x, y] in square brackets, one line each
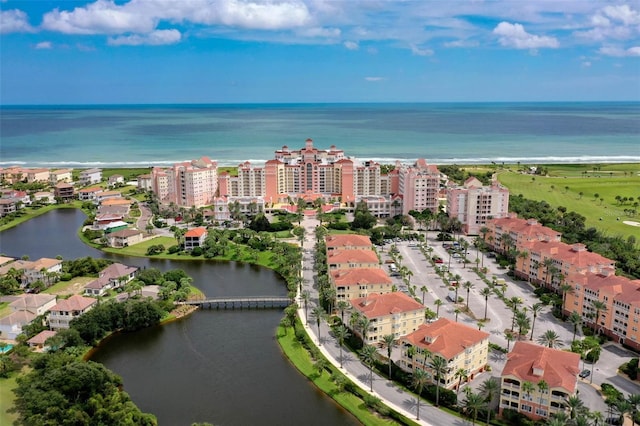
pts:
[526, 408]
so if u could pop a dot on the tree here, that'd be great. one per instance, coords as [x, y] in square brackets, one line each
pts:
[306, 297]
[535, 309]
[368, 354]
[419, 379]
[460, 374]
[468, 285]
[341, 334]
[438, 303]
[423, 289]
[575, 405]
[342, 306]
[510, 337]
[543, 389]
[389, 341]
[490, 389]
[513, 303]
[634, 402]
[550, 339]
[439, 366]
[485, 292]
[600, 307]
[320, 365]
[575, 319]
[318, 313]
[473, 403]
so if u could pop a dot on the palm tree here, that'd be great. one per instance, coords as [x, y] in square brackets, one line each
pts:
[419, 379]
[368, 354]
[535, 309]
[522, 320]
[341, 334]
[550, 339]
[439, 366]
[543, 388]
[634, 402]
[460, 374]
[423, 289]
[528, 387]
[600, 307]
[306, 297]
[342, 306]
[438, 303]
[575, 405]
[510, 338]
[473, 403]
[490, 389]
[320, 365]
[575, 319]
[596, 416]
[318, 313]
[513, 303]
[457, 311]
[364, 324]
[468, 285]
[485, 292]
[389, 341]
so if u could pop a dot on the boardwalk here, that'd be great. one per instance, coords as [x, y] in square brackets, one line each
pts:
[254, 302]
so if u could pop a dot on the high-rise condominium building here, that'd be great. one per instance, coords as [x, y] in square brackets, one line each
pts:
[473, 204]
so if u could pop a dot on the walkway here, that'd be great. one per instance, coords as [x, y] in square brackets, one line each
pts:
[388, 392]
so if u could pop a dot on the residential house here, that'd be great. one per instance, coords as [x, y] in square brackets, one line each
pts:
[552, 372]
[113, 277]
[38, 341]
[11, 174]
[66, 310]
[64, 191]
[461, 346]
[115, 180]
[37, 304]
[105, 195]
[61, 175]
[194, 238]
[11, 326]
[44, 269]
[359, 282]
[90, 176]
[45, 197]
[391, 313]
[125, 238]
[36, 175]
[89, 194]
[346, 259]
[7, 206]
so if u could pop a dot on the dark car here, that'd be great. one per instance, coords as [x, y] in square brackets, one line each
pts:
[584, 374]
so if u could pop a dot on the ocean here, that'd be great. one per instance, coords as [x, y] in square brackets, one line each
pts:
[456, 133]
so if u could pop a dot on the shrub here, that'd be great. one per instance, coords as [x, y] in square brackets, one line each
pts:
[197, 251]
[174, 249]
[66, 277]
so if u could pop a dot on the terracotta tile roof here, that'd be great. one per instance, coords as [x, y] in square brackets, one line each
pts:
[98, 284]
[353, 256]
[90, 190]
[116, 270]
[347, 240]
[41, 337]
[18, 318]
[448, 338]
[28, 302]
[574, 254]
[558, 368]
[378, 305]
[526, 227]
[196, 232]
[45, 262]
[116, 202]
[356, 276]
[74, 303]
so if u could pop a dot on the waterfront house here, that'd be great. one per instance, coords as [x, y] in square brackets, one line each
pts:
[37, 175]
[11, 326]
[61, 175]
[90, 176]
[113, 277]
[64, 191]
[89, 194]
[461, 346]
[44, 269]
[359, 282]
[7, 206]
[194, 238]
[46, 197]
[66, 310]
[391, 313]
[125, 238]
[537, 364]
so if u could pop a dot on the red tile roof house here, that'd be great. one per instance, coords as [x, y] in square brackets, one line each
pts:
[535, 364]
[112, 277]
[39, 339]
[345, 259]
[347, 242]
[64, 311]
[89, 194]
[359, 282]
[463, 347]
[194, 238]
[391, 313]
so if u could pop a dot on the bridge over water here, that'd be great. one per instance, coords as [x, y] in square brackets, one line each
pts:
[254, 302]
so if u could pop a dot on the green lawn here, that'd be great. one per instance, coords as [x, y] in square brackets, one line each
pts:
[5, 310]
[6, 400]
[564, 187]
[300, 358]
[73, 286]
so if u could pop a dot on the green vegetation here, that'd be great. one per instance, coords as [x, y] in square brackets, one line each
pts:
[592, 195]
[7, 398]
[333, 383]
[128, 174]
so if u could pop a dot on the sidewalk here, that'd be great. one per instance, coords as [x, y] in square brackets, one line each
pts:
[388, 392]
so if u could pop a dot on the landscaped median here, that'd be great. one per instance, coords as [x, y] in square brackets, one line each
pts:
[297, 346]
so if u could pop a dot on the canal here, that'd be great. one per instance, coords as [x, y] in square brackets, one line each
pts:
[221, 367]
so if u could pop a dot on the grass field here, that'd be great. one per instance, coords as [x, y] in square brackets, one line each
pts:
[6, 400]
[591, 194]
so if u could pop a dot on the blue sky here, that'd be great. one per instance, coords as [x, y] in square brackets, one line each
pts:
[254, 51]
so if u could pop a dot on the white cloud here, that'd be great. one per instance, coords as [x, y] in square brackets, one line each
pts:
[619, 52]
[351, 45]
[618, 22]
[14, 21]
[622, 13]
[44, 45]
[155, 38]
[374, 79]
[514, 35]
[461, 43]
[319, 32]
[420, 52]
[586, 64]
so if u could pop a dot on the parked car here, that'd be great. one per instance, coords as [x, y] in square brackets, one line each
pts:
[584, 374]
[438, 260]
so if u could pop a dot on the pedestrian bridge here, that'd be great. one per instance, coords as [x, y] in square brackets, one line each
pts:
[254, 302]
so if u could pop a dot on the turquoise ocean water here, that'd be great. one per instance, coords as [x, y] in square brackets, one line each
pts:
[464, 133]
